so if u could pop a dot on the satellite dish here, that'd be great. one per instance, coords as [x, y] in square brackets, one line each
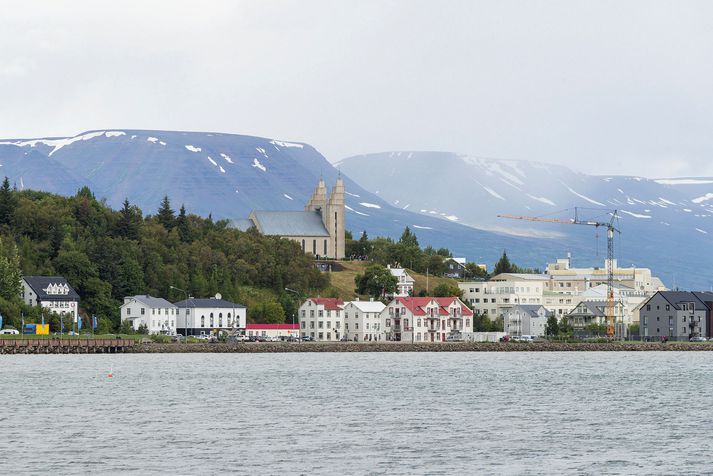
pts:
[218, 296]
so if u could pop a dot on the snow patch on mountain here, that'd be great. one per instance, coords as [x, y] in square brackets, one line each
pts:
[422, 227]
[227, 158]
[352, 194]
[59, 143]
[542, 199]
[222, 170]
[369, 205]
[702, 199]
[193, 148]
[492, 192]
[210, 159]
[635, 215]
[683, 181]
[256, 163]
[584, 197]
[701, 231]
[355, 211]
[287, 196]
[152, 139]
[286, 144]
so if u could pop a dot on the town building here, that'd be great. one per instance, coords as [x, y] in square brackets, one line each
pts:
[526, 320]
[281, 331]
[566, 279]
[322, 318]
[587, 313]
[404, 282]
[319, 229]
[455, 268]
[502, 292]
[425, 319]
[157, 314]
[676, 315]
[52, 293]
[210, 316]
[362, 321]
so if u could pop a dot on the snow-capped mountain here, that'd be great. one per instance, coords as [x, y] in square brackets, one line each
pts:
[666, 224]
[228, 176]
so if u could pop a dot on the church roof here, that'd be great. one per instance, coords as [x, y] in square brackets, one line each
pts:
[242, 224]
[289, 223]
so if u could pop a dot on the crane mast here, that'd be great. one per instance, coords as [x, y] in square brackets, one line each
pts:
[610, 253]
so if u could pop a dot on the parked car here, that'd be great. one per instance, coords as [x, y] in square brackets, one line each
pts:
[697, 339]
[9, 331]
[454, 338]
[308, 339]
[177, 338]
[293, 339]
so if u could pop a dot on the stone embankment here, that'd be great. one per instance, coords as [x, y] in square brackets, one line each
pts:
[276, 347]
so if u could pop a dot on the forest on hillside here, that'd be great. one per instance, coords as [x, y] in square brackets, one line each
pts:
[107, 254]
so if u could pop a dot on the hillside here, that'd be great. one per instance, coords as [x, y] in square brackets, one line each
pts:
[664, 223]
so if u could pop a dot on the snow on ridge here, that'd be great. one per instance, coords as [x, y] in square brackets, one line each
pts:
[635, 215]
[286, 144]
[59, 143]
[590, 200]
[193, 148]
[262, 151]
[683, 181]
[256, 163]
[701, 231]
[669, 202]
[369, 205]
[542, 199]
[355, 211]
[287, 196]
[227, 158]
[451, 217]
[702, 199]
[152, 139]
[114, 133]
[352, 194]
[422, 227]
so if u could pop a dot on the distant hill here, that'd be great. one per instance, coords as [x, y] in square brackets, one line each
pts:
[228, 175]
[667, 224]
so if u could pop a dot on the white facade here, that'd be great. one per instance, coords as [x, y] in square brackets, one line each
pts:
[157, 314]
[425, 319]
[529, 320]
[362, 321]
[322, 319]
[404, 282]
[207, 316]
[273, 330]
[502, 293]
[52, 294]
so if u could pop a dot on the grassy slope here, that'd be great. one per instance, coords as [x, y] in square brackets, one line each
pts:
[343, 281]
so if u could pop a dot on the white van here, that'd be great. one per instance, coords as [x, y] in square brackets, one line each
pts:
[10, 331]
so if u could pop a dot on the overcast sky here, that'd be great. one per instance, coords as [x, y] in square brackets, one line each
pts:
[603, 87]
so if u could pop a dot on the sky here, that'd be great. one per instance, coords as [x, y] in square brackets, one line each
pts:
[604, 87]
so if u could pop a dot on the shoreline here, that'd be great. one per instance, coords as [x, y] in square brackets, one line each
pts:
[292, 347]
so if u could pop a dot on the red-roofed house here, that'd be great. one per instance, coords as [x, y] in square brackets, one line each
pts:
[425, 319]
[322, 318]
[272, 330]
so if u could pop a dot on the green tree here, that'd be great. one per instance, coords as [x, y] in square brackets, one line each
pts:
[552, 328]
[503, 265]
[129, 223]
[165, 214]
[447, 290]
[269, 312]
[184, 227]
[376, 281]
[10, 273]
[8, 203]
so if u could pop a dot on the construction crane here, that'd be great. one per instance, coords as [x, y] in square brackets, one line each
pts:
[611, 229]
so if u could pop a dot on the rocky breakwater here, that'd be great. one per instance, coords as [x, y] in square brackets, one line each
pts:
[276, 347]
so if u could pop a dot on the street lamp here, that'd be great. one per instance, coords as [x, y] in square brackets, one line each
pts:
[185, 316]
[299, 299]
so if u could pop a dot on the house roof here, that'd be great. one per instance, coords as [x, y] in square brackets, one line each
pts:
[521, 276]
[531, 309]
[594, 308]
[330, 304]
[418, 305]
[266, 327]
[151, 301]
[41, 284]
[400, 272]
[367, 306]
[676, 298]
[208, 302]
[289, 223]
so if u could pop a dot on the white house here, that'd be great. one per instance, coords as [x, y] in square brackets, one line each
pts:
[425, 319]
[502, 292]
[362, 321]
[52, 293]
[209, 316]
[526, 320]
[157, 314]
[322, 318]
[404, 282]
[273, 330]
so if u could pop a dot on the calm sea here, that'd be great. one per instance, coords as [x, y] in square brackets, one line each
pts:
[362, 413]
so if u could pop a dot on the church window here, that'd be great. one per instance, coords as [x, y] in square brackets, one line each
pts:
[325, 247]
[303, 246]
[314, 247]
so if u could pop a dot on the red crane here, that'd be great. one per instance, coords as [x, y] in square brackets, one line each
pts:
[610, 253]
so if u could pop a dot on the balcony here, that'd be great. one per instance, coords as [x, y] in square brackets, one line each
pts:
[433, 329]
[396, 329]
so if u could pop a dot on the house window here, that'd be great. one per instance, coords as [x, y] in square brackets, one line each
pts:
[128, 311]
[388, 322]
[338, 324]
[303, 250]
[311, 324]
[220, 320]
[143, 311]
[321, 313]
[329, 336]
[303, 313]
[303, 324]
[211, 319]
[202, 321]
[329, 324]
[321, 336]
[320, 325]
[418, 323]
[668, 308]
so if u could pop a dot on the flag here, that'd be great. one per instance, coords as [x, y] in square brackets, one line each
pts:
[94, 322]
[79, 323]
[43, 319]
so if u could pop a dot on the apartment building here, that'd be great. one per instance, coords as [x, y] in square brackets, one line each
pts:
[502, 292]
[425, 319]
[362, 321]
[676, 315]
[322, 318]
[526, 319]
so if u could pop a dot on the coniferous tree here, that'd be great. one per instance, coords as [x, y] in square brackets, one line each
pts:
[165, 214]
[184, 227]
[129, 222]
[503, 265]
[8, 203]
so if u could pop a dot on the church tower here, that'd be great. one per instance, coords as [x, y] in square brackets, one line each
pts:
[318, 201]
[334, 219]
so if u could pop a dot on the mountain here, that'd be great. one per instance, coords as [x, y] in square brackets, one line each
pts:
[230, 175]
[666, 224]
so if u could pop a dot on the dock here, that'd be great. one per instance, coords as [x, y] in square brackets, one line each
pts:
[65, 346]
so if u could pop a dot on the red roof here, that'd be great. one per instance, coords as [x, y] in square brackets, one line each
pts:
[417, 305]
[267, 327]
[331, 304]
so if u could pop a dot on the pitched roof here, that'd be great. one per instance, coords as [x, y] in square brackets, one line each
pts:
[522, 276]
[42, 284]
[266, 327]
[676, 298]
[151, 301]
[208, 302]
[418, 305]
[367, 306]
[243, 224]
[289, 223]
[531, 309]
[330, 304]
